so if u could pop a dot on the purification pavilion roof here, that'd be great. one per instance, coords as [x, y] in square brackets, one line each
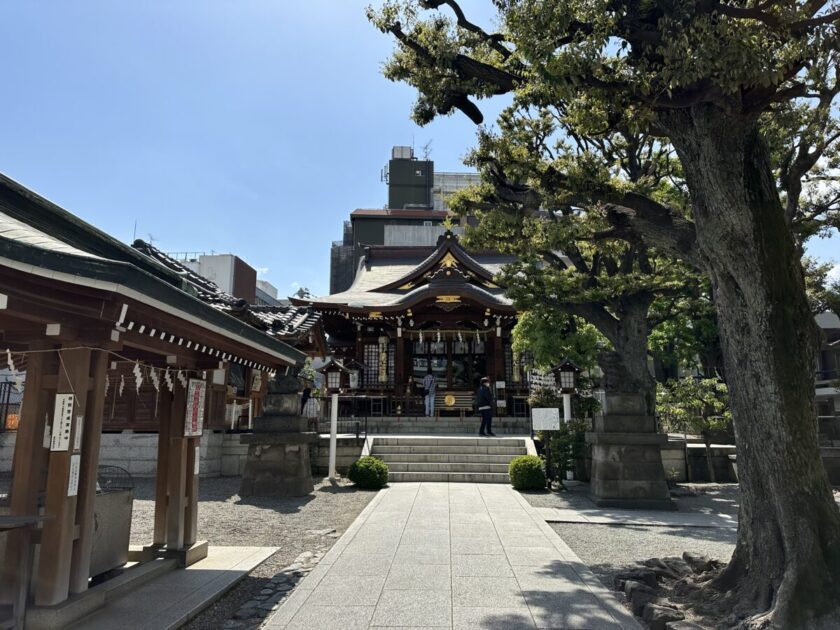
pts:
[286, 322]
[396, 278]
[37, 236]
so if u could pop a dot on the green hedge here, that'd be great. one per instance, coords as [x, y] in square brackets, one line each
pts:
[369, 472]
[526, 473]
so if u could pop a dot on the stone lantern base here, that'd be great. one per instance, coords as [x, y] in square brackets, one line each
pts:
[627, 467]
[278, 462]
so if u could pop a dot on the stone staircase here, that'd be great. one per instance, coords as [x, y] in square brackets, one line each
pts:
[453, 459]
[419, 425]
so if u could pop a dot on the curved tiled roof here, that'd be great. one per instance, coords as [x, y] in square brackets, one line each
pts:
[285, 322]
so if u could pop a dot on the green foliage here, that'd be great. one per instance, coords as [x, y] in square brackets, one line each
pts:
[369, 472]
[690, 405]
[526, 472]
[307, 372]
[552, 335]
[567, 445]
[823, 293]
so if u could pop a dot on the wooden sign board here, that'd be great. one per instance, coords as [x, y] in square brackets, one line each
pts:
[545, 419]
[62, 422]
[194, 418]
[73, 479]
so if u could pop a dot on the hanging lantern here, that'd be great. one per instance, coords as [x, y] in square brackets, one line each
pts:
[565, 375]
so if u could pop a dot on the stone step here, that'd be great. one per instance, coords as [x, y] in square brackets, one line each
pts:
[439, 450]
[448, 441]
[440, 430]
[447, 467]
[431, 458]
[451, 477]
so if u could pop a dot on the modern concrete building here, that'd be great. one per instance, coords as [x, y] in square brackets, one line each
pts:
[417, 207]
[232, 274]
[267, 294]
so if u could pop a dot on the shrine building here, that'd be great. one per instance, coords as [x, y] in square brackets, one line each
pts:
[411, 310]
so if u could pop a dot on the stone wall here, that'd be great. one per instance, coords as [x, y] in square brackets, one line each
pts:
[347, 451]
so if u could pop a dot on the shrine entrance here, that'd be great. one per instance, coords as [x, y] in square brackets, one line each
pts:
[455, 364]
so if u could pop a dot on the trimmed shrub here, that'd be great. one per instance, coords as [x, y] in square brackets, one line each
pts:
[526, 473]
[369, 472]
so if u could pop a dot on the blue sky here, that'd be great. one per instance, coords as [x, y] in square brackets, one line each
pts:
[251, 127]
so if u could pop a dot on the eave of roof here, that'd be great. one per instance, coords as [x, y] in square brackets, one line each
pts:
[126, 279]
[32, 209]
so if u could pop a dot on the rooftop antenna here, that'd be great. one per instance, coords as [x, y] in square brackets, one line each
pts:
[134, 234]
[427, 150]
[151, 239]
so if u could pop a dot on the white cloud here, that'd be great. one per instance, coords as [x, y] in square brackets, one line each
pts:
[261, 271]
[295, 285]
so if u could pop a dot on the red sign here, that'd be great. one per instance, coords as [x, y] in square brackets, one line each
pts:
[194, 419]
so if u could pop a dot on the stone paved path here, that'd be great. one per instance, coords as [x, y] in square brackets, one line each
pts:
[447, 555]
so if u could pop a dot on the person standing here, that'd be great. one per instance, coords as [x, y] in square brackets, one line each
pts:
[429, 383]
[484, 404]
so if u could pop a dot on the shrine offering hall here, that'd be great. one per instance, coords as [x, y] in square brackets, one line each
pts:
[414, 309]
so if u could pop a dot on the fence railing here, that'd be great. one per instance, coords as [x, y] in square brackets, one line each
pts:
[10, 403]
[355, 426]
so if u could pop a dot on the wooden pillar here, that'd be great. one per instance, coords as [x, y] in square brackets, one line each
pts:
[176, 470]
[499, 358]
[53, 583]
[449, 343]
[91, 439]
[399, 366]
[193, 460]
[27, 470]
[162, 474]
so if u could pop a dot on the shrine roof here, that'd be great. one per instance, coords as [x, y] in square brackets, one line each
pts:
[401, 276]
[38, 237]
[286, 322]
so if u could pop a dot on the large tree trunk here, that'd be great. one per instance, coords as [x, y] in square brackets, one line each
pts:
[786, 566]
[625, 368]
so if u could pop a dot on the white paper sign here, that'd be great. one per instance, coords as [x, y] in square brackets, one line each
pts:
[500, 384]
[501, 403]
[194, 417]
[77, 437]
[62, 422]
[197, 459]
[73, 481]
[545, 419]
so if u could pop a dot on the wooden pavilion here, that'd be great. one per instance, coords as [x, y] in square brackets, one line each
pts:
[89, 319]
[415, 309]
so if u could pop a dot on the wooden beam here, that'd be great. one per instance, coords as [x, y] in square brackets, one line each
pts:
[91, 438]
[53, 583]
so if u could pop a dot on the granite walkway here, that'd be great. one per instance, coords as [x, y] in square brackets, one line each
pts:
[645, 518]
[448, 555]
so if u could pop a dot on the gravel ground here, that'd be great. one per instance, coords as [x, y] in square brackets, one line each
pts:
[609, 549]
[224, 518]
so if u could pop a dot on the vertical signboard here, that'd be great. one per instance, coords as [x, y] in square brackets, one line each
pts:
[73, 479]
[62, 422]
[194, 418]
